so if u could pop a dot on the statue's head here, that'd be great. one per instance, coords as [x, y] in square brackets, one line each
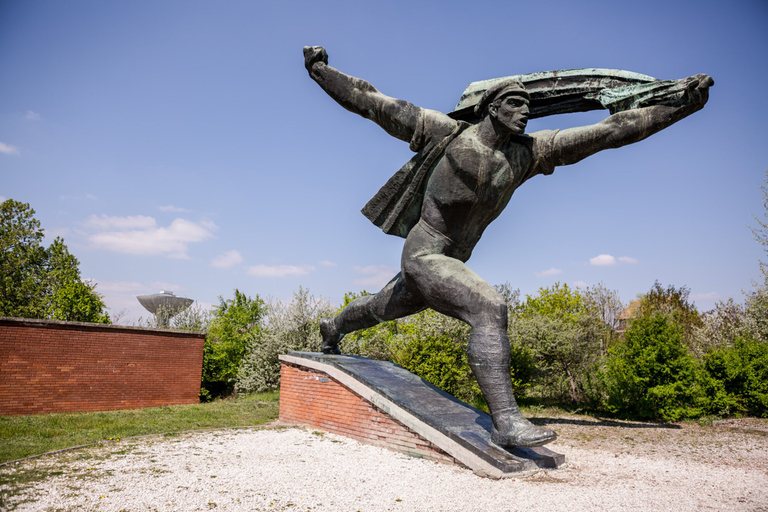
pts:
[507, 103]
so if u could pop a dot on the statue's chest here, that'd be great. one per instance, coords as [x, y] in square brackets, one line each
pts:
[489, 173]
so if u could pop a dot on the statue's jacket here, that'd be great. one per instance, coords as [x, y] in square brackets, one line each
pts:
[396, 207]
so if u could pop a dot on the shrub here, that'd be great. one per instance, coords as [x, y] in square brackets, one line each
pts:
[235, 323]
[651, 375]
[738, 378]
[292, 326]
[434, 347]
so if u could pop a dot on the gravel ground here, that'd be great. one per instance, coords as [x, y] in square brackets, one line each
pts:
[611, 465]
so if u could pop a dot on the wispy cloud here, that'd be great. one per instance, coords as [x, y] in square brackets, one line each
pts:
[280, 270]
[139, 234]
[375, 276]
[7, 149]
[579, 284]
[32, 115]
[550, 272]
[326, 263]
[606, 260]
[130, 222]
[171, 208]
[228, 259]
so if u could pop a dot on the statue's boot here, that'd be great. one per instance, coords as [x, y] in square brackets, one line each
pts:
[489, 358]
[357, 315]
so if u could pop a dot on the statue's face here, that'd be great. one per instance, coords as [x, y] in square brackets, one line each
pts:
[511, 112]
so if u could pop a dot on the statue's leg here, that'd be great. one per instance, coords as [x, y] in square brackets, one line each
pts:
[450, 287]
[393, 301]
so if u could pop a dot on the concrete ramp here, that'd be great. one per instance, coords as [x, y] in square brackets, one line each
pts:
[458, 429]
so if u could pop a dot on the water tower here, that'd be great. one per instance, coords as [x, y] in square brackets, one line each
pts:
[164, 305]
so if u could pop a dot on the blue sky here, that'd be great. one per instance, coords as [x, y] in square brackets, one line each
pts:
[181, 145]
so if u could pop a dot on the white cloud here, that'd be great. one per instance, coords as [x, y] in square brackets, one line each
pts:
[171, 208]
[32, 116]
[228, 259]
[550, 272]
[602, 260]
[705, 296]
[140, 234]
[580, 284]
[7, 149]
[375, 276]
[280, 270]
[3, 199]
[606, 260]
[121, 223]
[326, 263]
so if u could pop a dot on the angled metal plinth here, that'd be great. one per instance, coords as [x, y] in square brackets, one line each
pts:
[458, 429]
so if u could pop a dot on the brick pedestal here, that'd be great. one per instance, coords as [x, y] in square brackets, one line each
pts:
[311, 397]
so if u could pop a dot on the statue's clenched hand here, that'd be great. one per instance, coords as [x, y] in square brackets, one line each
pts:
[313, 55]
[697, 89]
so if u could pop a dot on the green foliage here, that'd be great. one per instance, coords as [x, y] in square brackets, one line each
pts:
[738, 378]
[673, 303]
[556, 302]
[78, 301]
[719, 328]
[434, 347]
[286, 327]
[235, 323]
[374, 342]
[23, 262]
[39, 282]
[651, 375]
[563, 335]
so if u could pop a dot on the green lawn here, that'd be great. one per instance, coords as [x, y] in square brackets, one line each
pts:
[22, 436]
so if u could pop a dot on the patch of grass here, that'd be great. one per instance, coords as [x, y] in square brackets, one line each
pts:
[23, 436]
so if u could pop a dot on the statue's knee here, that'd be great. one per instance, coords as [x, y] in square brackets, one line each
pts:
[494, 315]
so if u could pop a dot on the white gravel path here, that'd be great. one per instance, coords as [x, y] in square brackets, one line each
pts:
[303, 470]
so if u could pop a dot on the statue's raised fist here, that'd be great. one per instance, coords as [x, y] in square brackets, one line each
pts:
[314, 54]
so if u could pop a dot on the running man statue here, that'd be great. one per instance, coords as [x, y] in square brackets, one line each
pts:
[443, 199]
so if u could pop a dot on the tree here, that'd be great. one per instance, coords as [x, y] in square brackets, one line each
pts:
[236, 323]
[562, 331]
[606, 305]
[757, 300]
[78, 301]
[673, 303]
[292, 326]
[40, 282]
[760, 232]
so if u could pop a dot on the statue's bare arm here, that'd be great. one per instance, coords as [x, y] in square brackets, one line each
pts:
[397, 117]
[629, 126]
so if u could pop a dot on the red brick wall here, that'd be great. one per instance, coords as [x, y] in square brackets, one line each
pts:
[311, 397]
[49, 366]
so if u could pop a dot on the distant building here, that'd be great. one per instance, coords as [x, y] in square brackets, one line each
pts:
[628, 314]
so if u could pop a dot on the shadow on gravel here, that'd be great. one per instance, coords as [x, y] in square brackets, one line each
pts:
[601, 422]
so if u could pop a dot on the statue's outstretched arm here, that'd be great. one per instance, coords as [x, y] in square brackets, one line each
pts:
[397, 117]
[629, 126]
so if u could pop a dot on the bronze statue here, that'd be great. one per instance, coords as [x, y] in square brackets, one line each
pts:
[441, 202]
